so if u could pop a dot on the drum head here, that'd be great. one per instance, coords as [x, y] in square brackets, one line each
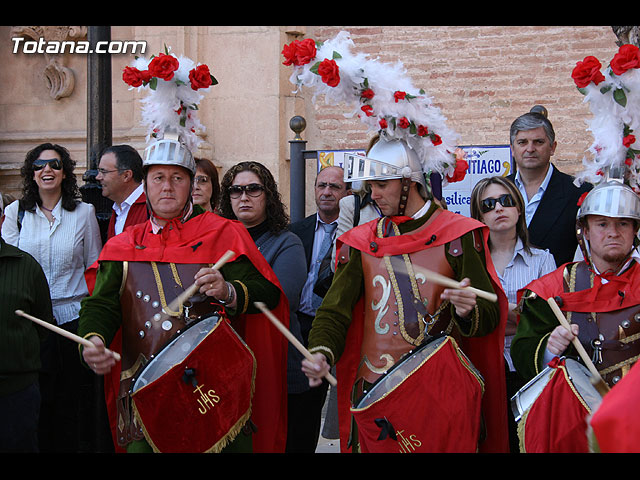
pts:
[429, 402]
[175, 351]
[195, 396]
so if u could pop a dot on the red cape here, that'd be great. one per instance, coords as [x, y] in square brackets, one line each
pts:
[614, 425]
[486, 353]
[204, 239]
[621, 291]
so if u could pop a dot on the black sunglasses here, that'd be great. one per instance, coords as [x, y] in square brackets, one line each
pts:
[253, 190]
[54, 163]
[489, 204]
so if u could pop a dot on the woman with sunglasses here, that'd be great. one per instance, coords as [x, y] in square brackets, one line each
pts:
[249, 193]
[62, 234]
[206, 188]
[497, 203]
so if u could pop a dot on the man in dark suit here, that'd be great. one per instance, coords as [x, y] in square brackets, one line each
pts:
[317, 233]
[120, 175]
[550, 196]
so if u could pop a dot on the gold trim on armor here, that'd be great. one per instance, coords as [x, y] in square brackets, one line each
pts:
[163, 301]
[125, 272]
[396, 290]
[380, 370]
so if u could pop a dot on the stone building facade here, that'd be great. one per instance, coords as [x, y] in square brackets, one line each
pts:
[482, 77]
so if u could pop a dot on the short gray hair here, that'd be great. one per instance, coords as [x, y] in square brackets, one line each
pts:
[529, 121]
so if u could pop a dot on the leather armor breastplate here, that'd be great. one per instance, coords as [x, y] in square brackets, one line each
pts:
[611, 338]
[401, 308]
[148, 324]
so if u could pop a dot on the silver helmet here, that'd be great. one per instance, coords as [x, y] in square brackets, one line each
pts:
[611, 199]
[386, 160]
[169, 151]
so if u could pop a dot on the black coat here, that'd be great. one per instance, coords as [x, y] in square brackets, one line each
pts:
[553, 226]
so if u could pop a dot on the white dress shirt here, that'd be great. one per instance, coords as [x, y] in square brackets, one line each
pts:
[123, 209]
[64, 249]
[531, 204]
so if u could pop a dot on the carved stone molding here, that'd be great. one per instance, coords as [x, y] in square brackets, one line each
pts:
[60, 80]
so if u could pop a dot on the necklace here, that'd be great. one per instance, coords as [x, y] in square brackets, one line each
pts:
[45, 208]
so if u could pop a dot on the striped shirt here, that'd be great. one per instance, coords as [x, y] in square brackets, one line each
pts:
[523, 269]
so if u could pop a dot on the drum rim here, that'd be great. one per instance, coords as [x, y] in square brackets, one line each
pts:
[138, 374]
[444, 338]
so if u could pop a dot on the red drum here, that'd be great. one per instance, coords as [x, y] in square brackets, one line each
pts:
[552, 409]
[429, 402]
[195, 394]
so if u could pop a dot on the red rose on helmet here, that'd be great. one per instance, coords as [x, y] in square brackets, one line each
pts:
[628, 57]
[587, 71]
[200, 77]
[398, 95]
[629, 140]
[163, 66]
[459, 172]
[299, 52]
[404, 122]
[367, 93]
[383, 123]
[134, 77]
[368, 109]
[422, 131]
[329, 72]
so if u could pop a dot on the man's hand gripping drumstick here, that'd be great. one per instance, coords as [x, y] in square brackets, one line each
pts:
[313, 363]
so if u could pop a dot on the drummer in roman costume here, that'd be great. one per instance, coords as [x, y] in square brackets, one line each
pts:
[380, 306]
[143, 270]
[599, 295]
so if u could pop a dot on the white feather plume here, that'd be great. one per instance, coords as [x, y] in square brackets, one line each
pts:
[385, 79]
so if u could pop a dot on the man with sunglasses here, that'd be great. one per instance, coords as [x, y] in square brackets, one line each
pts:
[141, 272]
[120, 175]
[551, 198]
[369, 320]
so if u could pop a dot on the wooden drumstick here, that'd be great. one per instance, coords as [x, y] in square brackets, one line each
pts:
[596, 378]
[296, 343]
[451, 283]
[191, 291]
[64, 333]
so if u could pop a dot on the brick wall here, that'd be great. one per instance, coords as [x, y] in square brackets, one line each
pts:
[482, 77]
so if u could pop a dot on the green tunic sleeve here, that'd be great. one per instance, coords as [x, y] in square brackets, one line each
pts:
[528, 346]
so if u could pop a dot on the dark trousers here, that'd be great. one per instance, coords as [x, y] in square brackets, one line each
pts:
[514, 383]
[72, 417]
[19, 421]
[305, 418]
[305, 409]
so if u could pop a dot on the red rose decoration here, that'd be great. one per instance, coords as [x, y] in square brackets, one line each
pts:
[404, 123]
[368, 109]
[163, 66]
[299, 52]
[200, 77]
[383, 123]
[134, 77]
[422, 131]
[329, 72]
[628, 162]
[459, 172]
[399, 96]
[582, 197]
[436, 140]
[587, 71]
[629, 140]
[368, 93]
[628, 57]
